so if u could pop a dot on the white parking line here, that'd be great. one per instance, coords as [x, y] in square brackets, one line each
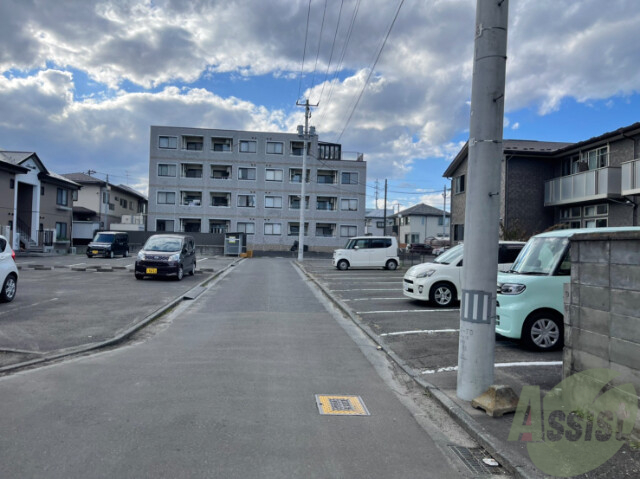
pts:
[407, 311]
[364, 289]
[421, 331]
[376, 298]
[27, 306]
[77, 264]
[497, 365]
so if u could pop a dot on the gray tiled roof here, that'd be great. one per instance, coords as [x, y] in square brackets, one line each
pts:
[422, 210]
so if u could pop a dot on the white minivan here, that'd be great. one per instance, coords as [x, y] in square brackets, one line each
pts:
[530, 295]
[368, 251]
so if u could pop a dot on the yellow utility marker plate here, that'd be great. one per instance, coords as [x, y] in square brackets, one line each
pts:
[341, 405]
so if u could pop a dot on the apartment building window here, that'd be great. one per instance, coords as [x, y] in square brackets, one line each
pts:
[190, 225]
[570, 166]
[62, 197]
[325, 229]
[295, 175]
[246, 173]
[164, 225]
[170, 142]
[597, 158]
[220, 199]
[349, 178]
[221, 144]
[347, 231]
[326, 203]
[458, 184]
[193, 143]
[247, 228]
[275, 147]
[123, 203]
[329, 152]
[572, 212]
[294, 202]
[218, 226]
[271, 229]
[166, 170]
[61, 231]
[294, 229]
[247, 201]
[347, 204]
[191, 198]
[273, 201]
[297, 148]
[191, 170]
[248, 146]
[273, 175]
[327, 177]
[74, 195]
[458, 232]
[220, 172]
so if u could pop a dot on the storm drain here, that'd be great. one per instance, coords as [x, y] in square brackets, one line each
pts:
[472, 458]
[341, 405]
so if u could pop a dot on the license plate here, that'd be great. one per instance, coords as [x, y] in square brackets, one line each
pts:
[95, 251]
[152, 270]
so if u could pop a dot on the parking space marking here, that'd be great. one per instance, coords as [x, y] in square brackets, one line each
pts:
[28, 306]
[407, 311]
[421, 331]
[376, 298]
[497, 365]
[77, 264]
[363, 289]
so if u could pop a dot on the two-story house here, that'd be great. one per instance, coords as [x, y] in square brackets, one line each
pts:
[592, 183]
[218, 181]
[419, 222]
[35, 203]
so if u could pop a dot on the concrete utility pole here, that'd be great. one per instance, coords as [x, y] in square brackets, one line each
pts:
[384, 227]
[444, 213]
[482, 215]
[303, 179]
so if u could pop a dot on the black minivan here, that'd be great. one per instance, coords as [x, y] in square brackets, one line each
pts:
[166, 255]
[109, 244]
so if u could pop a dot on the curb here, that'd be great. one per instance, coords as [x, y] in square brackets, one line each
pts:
[126, 334]
[511, 462]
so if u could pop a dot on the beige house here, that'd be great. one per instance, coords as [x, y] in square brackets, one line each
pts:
[35, 203]
[101, 205]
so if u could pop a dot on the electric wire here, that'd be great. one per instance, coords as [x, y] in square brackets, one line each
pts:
[333, 44]
[304, 52]
[315, 67]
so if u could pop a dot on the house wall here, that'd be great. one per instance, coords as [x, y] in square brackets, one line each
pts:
[52, 213]
[260, 187]
[458, 200]
[7, 201]
[602, 307]
[524, 211]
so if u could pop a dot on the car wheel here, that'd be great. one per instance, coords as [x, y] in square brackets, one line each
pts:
[126, 253]
[88, 256]
[343, 265]
[543, 331]
[111, 255]
[180, 273]
[9, 289]
[139, 276]
[442, 294]
[193, 270]
[391, 265]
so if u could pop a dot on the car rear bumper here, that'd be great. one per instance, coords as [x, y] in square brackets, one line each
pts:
[146, 268]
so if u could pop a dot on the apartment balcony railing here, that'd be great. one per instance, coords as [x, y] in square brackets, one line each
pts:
[631, 178]
[584, 186]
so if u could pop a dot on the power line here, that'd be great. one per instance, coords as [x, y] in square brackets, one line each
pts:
[333, 44]
[372, 69]
[304, 52]
[315, 67]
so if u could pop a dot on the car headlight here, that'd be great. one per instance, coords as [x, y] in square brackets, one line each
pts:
[511, 288]
[426, 274]
[140, 256]
[174, 257]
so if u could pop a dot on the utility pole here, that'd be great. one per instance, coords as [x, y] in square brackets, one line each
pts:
[303, 178]
[376, 194]
[482, 216]
[444, 213]
[384, 228]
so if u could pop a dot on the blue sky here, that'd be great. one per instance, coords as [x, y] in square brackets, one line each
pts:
[81, 85]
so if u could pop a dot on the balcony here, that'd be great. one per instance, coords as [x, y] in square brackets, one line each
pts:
[190, 170]
[631, 178]
[585, 186]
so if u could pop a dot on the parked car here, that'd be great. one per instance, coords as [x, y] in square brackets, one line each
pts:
[368, 251]
[441, 281]
[530, 294]
[109, 244]
[8, 271]
[420, 248]
[439, 250]
[166, 255]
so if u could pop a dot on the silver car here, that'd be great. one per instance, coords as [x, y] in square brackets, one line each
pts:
[8, 272]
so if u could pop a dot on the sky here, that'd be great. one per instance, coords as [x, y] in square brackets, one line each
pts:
[82, 81]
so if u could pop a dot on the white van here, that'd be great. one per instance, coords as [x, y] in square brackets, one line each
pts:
[530, 294]
[368, 251]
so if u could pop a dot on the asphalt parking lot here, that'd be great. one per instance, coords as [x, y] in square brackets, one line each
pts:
[68, 302]
[424, 335]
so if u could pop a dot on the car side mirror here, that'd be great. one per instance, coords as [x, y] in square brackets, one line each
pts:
[356, 247]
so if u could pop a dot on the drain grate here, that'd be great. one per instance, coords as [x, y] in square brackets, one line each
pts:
[472, 458]
[341, 405]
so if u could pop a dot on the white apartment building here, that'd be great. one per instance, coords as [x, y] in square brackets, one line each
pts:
[218, 181]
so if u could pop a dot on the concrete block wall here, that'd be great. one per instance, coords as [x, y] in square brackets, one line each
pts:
[602, 307]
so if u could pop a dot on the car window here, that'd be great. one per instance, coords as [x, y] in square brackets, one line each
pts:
[361, 243]
[163, 244]
[103, 238]
[3, 244]
[508, 253]
[380, 243]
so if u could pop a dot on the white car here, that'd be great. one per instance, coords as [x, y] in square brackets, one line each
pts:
[8, 271]
[367, 252]
[441, 281]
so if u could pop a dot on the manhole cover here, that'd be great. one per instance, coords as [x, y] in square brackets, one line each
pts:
[472, 458]
[341, 405]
